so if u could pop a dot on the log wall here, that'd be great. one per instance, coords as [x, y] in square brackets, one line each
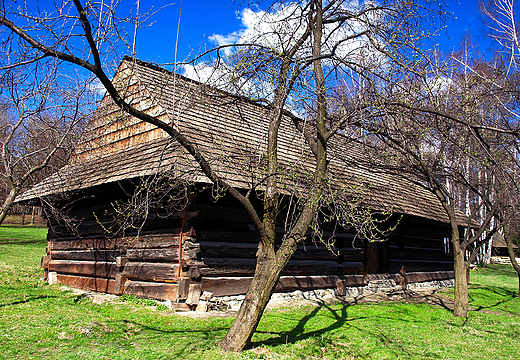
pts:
[419, 247]
[217, 253]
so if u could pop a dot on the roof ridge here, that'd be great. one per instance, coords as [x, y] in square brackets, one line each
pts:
[157, 67]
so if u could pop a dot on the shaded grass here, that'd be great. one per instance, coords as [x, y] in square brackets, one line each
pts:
[41, 321]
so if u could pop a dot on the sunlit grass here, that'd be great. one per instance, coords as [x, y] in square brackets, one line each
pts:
[41, 321]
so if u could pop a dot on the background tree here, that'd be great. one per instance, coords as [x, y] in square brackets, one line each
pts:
[501, 18]
[446, 130]
[42, 115]
[301, 55]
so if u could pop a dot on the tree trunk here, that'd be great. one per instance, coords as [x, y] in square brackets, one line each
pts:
[262, 287]
[513, 260]
[8, 203]
[32, 214]
[460, 308]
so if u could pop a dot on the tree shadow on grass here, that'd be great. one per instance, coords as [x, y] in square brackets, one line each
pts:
[341, 319]
[25, 301]
[195, 338]
[507, 296]
[20, 242]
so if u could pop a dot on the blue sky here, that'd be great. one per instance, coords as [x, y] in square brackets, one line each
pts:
[201, 19]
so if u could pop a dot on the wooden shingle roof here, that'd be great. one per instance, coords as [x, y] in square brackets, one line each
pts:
[231, 133]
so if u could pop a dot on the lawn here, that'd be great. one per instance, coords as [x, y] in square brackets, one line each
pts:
[42, 321]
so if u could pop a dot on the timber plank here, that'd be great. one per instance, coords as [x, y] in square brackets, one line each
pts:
[424, 242]
[226, 286]
[151, 290]
[222, 213]
[418, 266]
[93, 227]
[220, 267]
[144, 271]
[232, 236]
[143, 242]
[44, 264]
[230, 286]
[305, 283]
[222, 225]
[225, 271]
[354, 267]
[131, 235]
[228, 250]
[355, 280]
[85, 268]
[85, 228]
[165, 240]
[87, 255]
[163, 254]
[84, 244]
[248, 251]
[429, 276]
[416, 253]
[87, 283]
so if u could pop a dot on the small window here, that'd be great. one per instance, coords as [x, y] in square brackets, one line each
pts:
[447, 245]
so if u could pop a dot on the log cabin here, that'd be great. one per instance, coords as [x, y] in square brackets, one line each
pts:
[206, 241]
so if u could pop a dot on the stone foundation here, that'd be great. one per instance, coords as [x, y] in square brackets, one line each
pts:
[385, 286]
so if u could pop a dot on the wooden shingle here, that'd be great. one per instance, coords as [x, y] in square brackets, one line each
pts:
[230, 131]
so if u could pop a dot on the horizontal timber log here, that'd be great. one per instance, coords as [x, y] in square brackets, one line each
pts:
[86, 268]
[229, 286]
[73, 236]
[418, 266]
[425, 242]
[159, 291]
[429, 276]
[221, 225]
[164, 254]
[87, 283]
[89, 255]
[221, 213]
[160, 240]
[396, 277]
[238, 267]
[304, 283]
[84, 228]
[90, 228]
[84, 244]
[142, 242]
[245, 236]
[144, 271]
[414, 253]
[354, 280]
[336, 254]
[348, 268]
[414, 277]
[248, 251]
[45, 261]
[427, 231]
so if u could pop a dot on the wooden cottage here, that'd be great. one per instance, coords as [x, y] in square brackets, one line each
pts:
[207, 244]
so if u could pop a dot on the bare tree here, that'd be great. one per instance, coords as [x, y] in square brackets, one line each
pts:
[501, 18]
[448, 131]
[305, 53]
[43, 113]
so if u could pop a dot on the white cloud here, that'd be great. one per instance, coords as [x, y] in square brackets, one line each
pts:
[97, 88]
[439, 85]
[278, 29]
[223, 40]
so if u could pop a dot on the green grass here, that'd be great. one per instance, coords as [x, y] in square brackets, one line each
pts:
[41, 321]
